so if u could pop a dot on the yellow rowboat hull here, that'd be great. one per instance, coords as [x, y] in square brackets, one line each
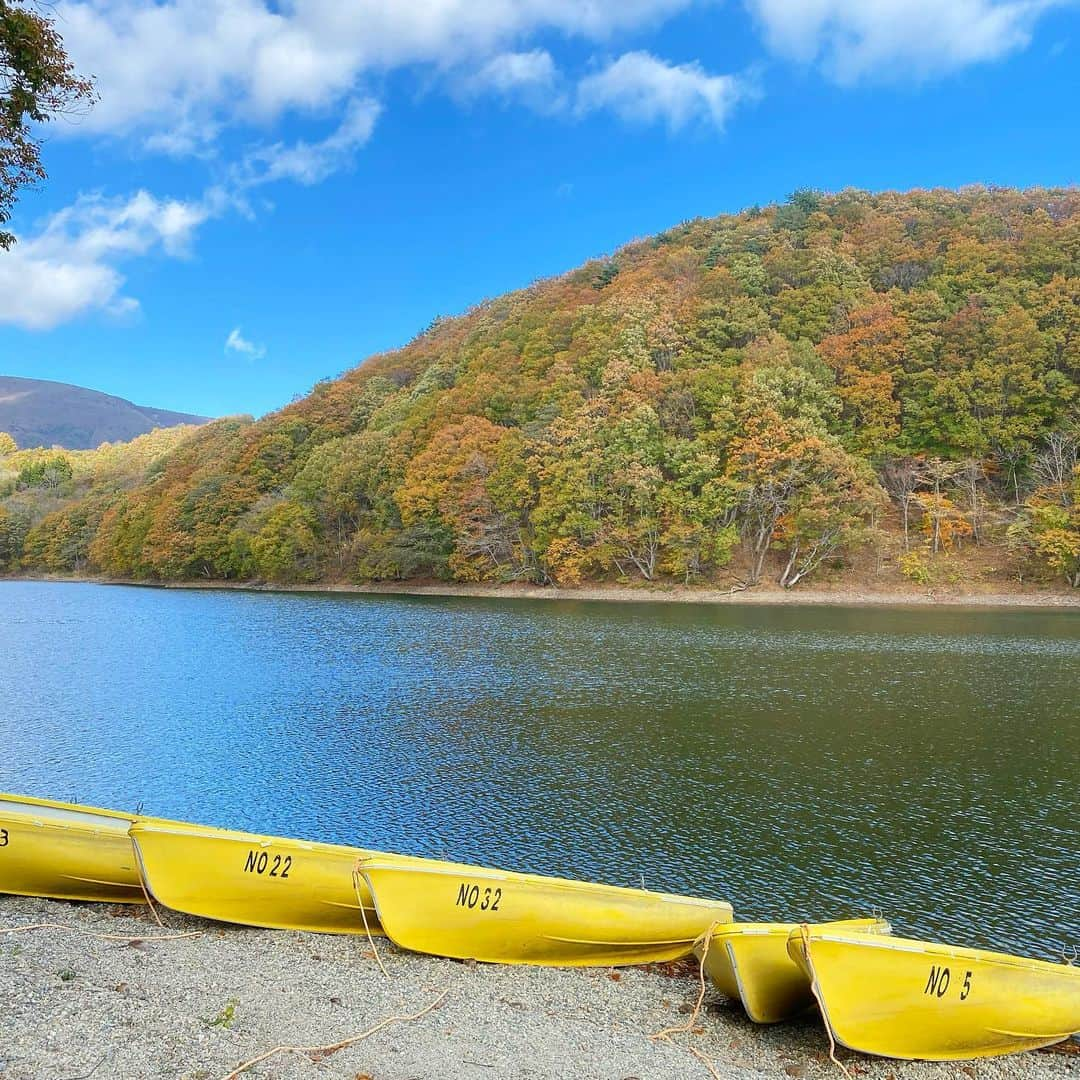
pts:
[469, 912]
[255, 880]
[66, 852]
[749, 963]
[914, 999]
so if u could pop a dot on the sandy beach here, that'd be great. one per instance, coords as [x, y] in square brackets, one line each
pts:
[142, 1005]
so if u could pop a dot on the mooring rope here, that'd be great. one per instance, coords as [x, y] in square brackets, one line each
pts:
[101, 937]
[318, 1052]
[363, 915]
[143, 885]
[804, 934]
[705, 940]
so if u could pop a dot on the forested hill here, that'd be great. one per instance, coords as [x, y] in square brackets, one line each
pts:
[763, 396]
[37, 412]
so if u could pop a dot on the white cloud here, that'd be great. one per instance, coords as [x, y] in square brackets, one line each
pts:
[69, 266]
[896, 40]
[640, 88]
[178, 72]
[311, 162]
[507, 71]
[530, 78]
[236, 342]
[186, 139]
[179, 69]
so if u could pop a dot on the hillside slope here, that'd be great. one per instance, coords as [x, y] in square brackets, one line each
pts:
[759, 396]
[36, 412]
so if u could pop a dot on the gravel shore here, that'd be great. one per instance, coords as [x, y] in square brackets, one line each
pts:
[77, 1007]
[846, 595]
[838, 594]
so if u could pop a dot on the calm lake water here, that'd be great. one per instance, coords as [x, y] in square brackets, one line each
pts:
[799, 761]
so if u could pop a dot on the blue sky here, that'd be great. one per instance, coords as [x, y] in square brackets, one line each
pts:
[266, 194]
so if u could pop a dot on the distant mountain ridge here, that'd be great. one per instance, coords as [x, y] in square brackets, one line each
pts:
[38, 412]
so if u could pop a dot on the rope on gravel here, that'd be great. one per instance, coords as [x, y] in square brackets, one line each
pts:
[363, 915]
[804, 934]
[316, 1053]
[101, 937]
[705, 940]
[706, 1062]
[87, 1075]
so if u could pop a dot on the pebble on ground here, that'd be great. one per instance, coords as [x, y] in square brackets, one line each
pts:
[76, 1007]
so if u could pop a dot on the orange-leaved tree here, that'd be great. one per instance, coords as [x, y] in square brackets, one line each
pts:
[799, 489]
[470, 486]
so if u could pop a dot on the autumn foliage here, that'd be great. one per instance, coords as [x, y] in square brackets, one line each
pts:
[739, 398]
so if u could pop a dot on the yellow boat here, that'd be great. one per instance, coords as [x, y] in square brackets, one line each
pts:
[255, 880]
[470, 912]
[749, 963]
[914, 999]
[67, 852]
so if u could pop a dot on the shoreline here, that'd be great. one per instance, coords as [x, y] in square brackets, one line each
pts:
[147, 1006]
[762, 595]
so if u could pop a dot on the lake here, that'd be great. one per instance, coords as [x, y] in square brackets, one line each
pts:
[803, 762]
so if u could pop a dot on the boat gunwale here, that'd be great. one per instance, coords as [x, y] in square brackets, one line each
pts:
[10, 799]
[931, 948]
[94, 828]
[749, 929]
[567, 884]
[212, 832]
[785, 929]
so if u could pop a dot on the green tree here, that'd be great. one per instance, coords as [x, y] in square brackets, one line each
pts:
[698, 509]
[52, 471]
[13, 530]
[285, 544]
[830, 514]
[1049, 526]
[1056, 536]
[599, 503]
[37, 83]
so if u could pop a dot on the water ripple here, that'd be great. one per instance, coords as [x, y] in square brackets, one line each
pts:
[800, 761]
